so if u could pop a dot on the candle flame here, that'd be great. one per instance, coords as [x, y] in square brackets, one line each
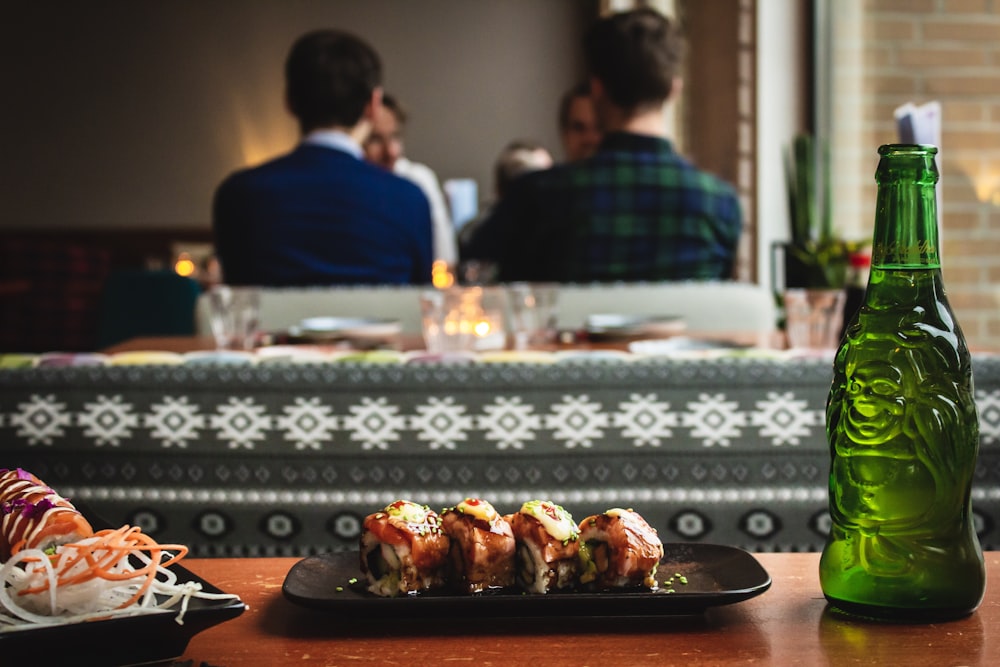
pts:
[441, 275]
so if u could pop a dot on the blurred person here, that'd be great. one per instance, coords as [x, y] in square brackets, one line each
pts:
[635, 210]
[578, 128]
[385, 148]
[321, 214]
[519, 157]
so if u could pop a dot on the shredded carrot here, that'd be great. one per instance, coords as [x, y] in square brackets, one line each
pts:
[111, 574]
[108, 556]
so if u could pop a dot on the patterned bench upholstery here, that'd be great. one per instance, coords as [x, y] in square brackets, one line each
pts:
[286, 459]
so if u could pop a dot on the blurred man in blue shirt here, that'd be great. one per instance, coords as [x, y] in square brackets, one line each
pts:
[320, 214]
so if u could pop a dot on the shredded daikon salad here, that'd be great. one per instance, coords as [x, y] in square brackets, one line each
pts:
[120, 572]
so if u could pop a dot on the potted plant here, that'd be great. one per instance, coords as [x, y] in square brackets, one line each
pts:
[816, 260]
[815, 257]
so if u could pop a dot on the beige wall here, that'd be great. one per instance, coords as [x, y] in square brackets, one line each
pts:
[889, 52]
[780, 84]
[124, 114]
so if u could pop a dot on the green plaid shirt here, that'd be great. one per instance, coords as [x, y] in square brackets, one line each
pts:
[635, 211]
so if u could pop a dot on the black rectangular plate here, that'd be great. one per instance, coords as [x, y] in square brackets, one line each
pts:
[130, 640]
[716, 575]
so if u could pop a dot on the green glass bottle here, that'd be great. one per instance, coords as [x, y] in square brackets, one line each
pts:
[902, 423]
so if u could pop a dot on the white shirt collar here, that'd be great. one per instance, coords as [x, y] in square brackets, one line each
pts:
[334, 139]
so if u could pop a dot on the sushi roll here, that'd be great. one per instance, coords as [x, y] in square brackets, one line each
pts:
[403, 549]
[547, 546]
[618, 549]
[482, 547]
[33, 516]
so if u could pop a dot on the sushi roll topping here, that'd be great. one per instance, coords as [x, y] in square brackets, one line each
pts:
[617, 511]
[20, 504]
[477, 508]
[482, 510]
[556, 520]
[28, 509]
[419, 519]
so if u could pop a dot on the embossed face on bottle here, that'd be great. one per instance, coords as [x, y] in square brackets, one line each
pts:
[882, 454]
[874, 404]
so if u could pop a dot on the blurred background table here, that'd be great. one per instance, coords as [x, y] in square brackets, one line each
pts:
[182, 344]
[179, 344]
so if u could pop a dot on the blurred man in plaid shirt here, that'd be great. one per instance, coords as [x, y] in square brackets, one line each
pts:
[635, 210]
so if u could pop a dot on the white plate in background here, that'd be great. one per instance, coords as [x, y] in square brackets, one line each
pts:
[611, 325]
[332, 328]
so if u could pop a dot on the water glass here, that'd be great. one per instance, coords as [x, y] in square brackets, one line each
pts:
[533, 316]
[234, 314]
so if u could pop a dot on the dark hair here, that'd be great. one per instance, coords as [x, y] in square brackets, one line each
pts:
[513, 162]
[581, 89]
[330, 76]
[392, 104]
[636, 56]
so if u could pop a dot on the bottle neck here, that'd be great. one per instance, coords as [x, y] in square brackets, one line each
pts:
[906, 228]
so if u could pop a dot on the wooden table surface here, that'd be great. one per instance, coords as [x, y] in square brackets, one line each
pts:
[789, 624]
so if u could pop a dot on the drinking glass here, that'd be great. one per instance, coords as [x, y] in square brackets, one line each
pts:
[463, 319]
[533, 314]
[814, 318]
[234, 314]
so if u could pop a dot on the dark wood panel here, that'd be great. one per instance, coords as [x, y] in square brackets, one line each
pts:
[128, 248]
[711, 86]
[55, 279]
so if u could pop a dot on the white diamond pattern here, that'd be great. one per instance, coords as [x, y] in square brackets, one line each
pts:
[108, 420]
[645, 420]
[784, 420]
[241, 422]
[441, 423]
[714, 419]
[174, 421]
[41, 420]
[307, 423]
[375, 423]
[988, 403]
[509, 422]
[577, 421]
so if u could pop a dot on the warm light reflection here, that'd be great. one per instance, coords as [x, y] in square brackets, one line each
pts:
[184, 266]
[261, 132]
[458, 327]
[985, 181]
[441, 275]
